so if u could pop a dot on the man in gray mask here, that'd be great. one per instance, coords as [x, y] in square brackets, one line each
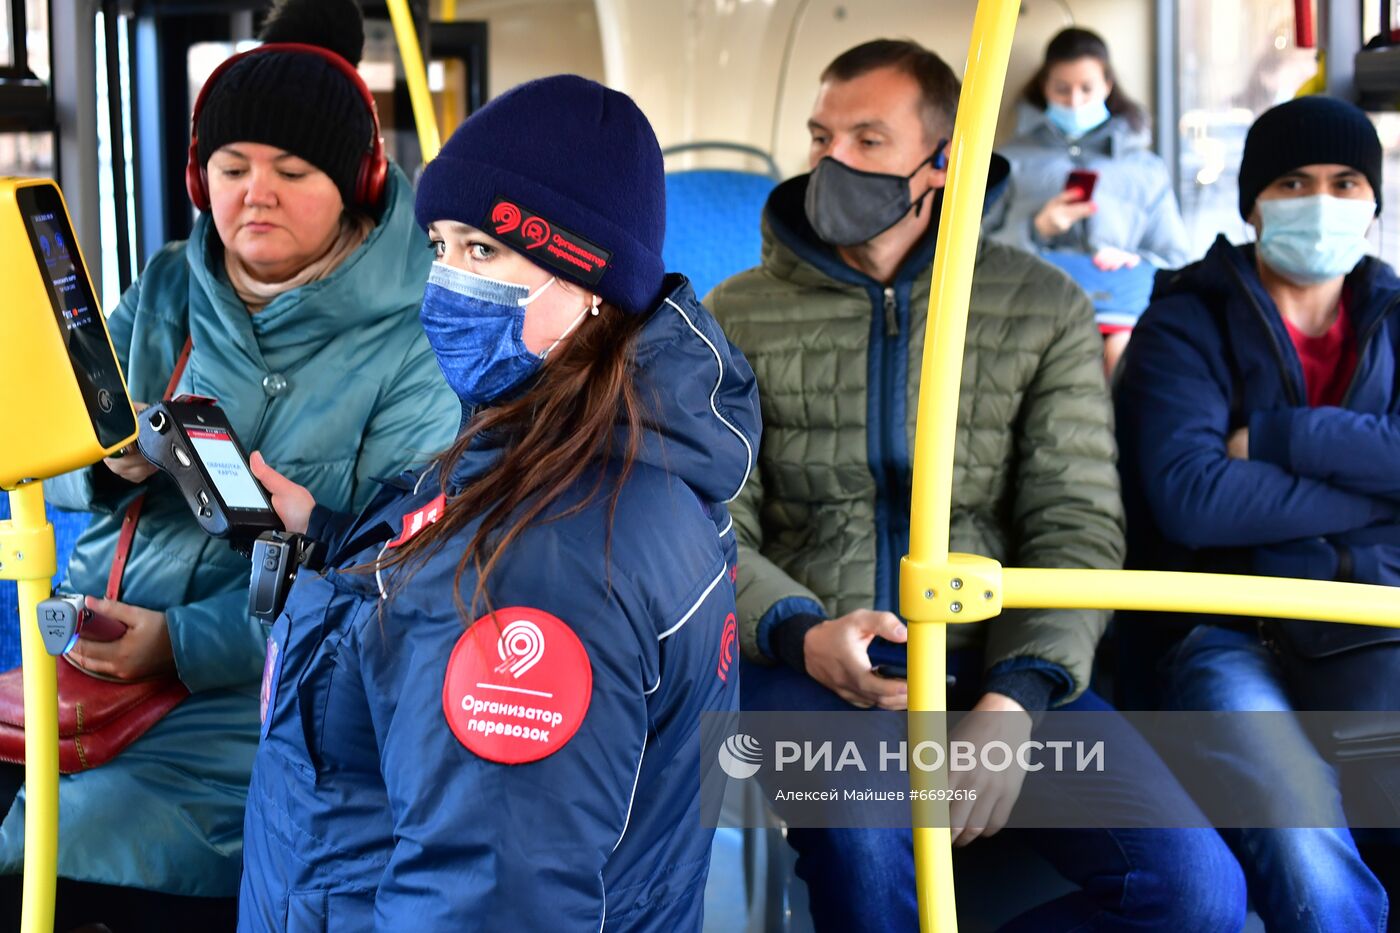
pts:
[833, 324]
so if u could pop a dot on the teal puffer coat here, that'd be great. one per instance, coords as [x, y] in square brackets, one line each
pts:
[335, 383]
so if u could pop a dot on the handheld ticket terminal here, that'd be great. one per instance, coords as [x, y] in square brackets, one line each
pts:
[63, 405]
[191, 439]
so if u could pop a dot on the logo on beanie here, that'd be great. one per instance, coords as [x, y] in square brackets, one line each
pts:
[547, 243]
[505, 217]
[535, 231]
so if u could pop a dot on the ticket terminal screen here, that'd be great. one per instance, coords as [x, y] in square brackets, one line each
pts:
[224, 463]
[94, 367]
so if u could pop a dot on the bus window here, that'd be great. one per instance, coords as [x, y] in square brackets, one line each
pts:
[1388, 128]
[26, 131]
[31, 50]
[1236, 60]
[112, 280]
[26, 153]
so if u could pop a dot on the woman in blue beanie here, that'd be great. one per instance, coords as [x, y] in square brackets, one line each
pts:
[294, 304]
[484, 714]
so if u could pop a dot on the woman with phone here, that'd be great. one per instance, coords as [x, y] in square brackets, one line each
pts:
[294, 305]
[486, 710]
[1086, 190]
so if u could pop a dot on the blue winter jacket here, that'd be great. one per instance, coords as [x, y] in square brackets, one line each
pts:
[335, 383]
[366, 812]
[1319, 496]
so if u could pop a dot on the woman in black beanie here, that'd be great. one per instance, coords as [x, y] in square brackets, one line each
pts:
[298, 294]
[485, 714]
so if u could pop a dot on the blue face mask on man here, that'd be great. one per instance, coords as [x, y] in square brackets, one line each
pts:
[475, 326]
[1074, 122]
[1314, 239]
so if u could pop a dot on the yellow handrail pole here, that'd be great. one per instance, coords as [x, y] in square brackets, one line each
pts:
[968, 161]
[417, 76]
[27, 556]
[969, 157]
[451, 71]
[1219, 594]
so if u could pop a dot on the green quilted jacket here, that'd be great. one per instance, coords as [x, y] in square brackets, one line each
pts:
[824, 520]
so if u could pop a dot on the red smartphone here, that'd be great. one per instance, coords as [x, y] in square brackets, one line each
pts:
[94, 626]
[1083, 181]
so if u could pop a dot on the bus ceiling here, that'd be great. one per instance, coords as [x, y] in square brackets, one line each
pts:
[119, 155]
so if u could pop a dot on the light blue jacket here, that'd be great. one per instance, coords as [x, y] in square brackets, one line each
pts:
[363, 397]
[1137, 209]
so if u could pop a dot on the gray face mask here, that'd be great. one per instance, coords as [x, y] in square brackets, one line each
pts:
[846, 206]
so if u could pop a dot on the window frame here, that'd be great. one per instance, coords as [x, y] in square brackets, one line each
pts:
[26, 102]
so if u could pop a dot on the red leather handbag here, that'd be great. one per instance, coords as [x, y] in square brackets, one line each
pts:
[97, 717]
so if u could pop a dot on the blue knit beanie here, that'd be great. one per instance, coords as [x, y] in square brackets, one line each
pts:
[1312, 130]
[568, 173]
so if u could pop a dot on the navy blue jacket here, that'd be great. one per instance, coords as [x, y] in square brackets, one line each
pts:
[365, 812]
[1319, 495]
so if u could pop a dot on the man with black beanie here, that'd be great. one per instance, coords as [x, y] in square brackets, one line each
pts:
[1257, 427]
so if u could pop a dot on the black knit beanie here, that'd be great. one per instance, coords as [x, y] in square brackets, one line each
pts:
[296, 101]
[1308, 131]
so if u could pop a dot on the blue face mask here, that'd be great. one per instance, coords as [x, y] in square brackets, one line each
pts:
[475, 326]
[1074, 122]
[1314, 239]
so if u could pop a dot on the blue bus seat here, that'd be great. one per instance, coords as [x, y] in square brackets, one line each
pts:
[712, 214]
[66, 528]
[712, 218]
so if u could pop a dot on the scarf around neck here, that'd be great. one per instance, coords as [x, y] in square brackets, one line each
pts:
[257, 294]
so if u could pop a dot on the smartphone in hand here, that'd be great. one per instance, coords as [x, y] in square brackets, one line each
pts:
[1082, 180]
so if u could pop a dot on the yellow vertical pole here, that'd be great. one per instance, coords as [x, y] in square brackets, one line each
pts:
[968, 160]
[933, 848]
[969, 156]
[417, 76]
[452, 72]
[27, 556]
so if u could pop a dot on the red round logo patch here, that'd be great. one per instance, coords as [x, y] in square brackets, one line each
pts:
[518, 686]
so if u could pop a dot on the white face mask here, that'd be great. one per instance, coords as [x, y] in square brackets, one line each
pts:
[1314, 239]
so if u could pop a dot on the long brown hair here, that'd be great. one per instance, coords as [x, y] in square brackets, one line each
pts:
[565, 426]
[1070, 45]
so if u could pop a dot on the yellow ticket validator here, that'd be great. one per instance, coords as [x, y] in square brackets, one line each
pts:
[63, 400]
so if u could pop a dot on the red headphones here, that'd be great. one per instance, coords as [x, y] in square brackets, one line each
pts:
[374, 165]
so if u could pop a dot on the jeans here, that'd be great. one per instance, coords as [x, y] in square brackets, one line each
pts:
[1141, 879]
[1308, 879]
